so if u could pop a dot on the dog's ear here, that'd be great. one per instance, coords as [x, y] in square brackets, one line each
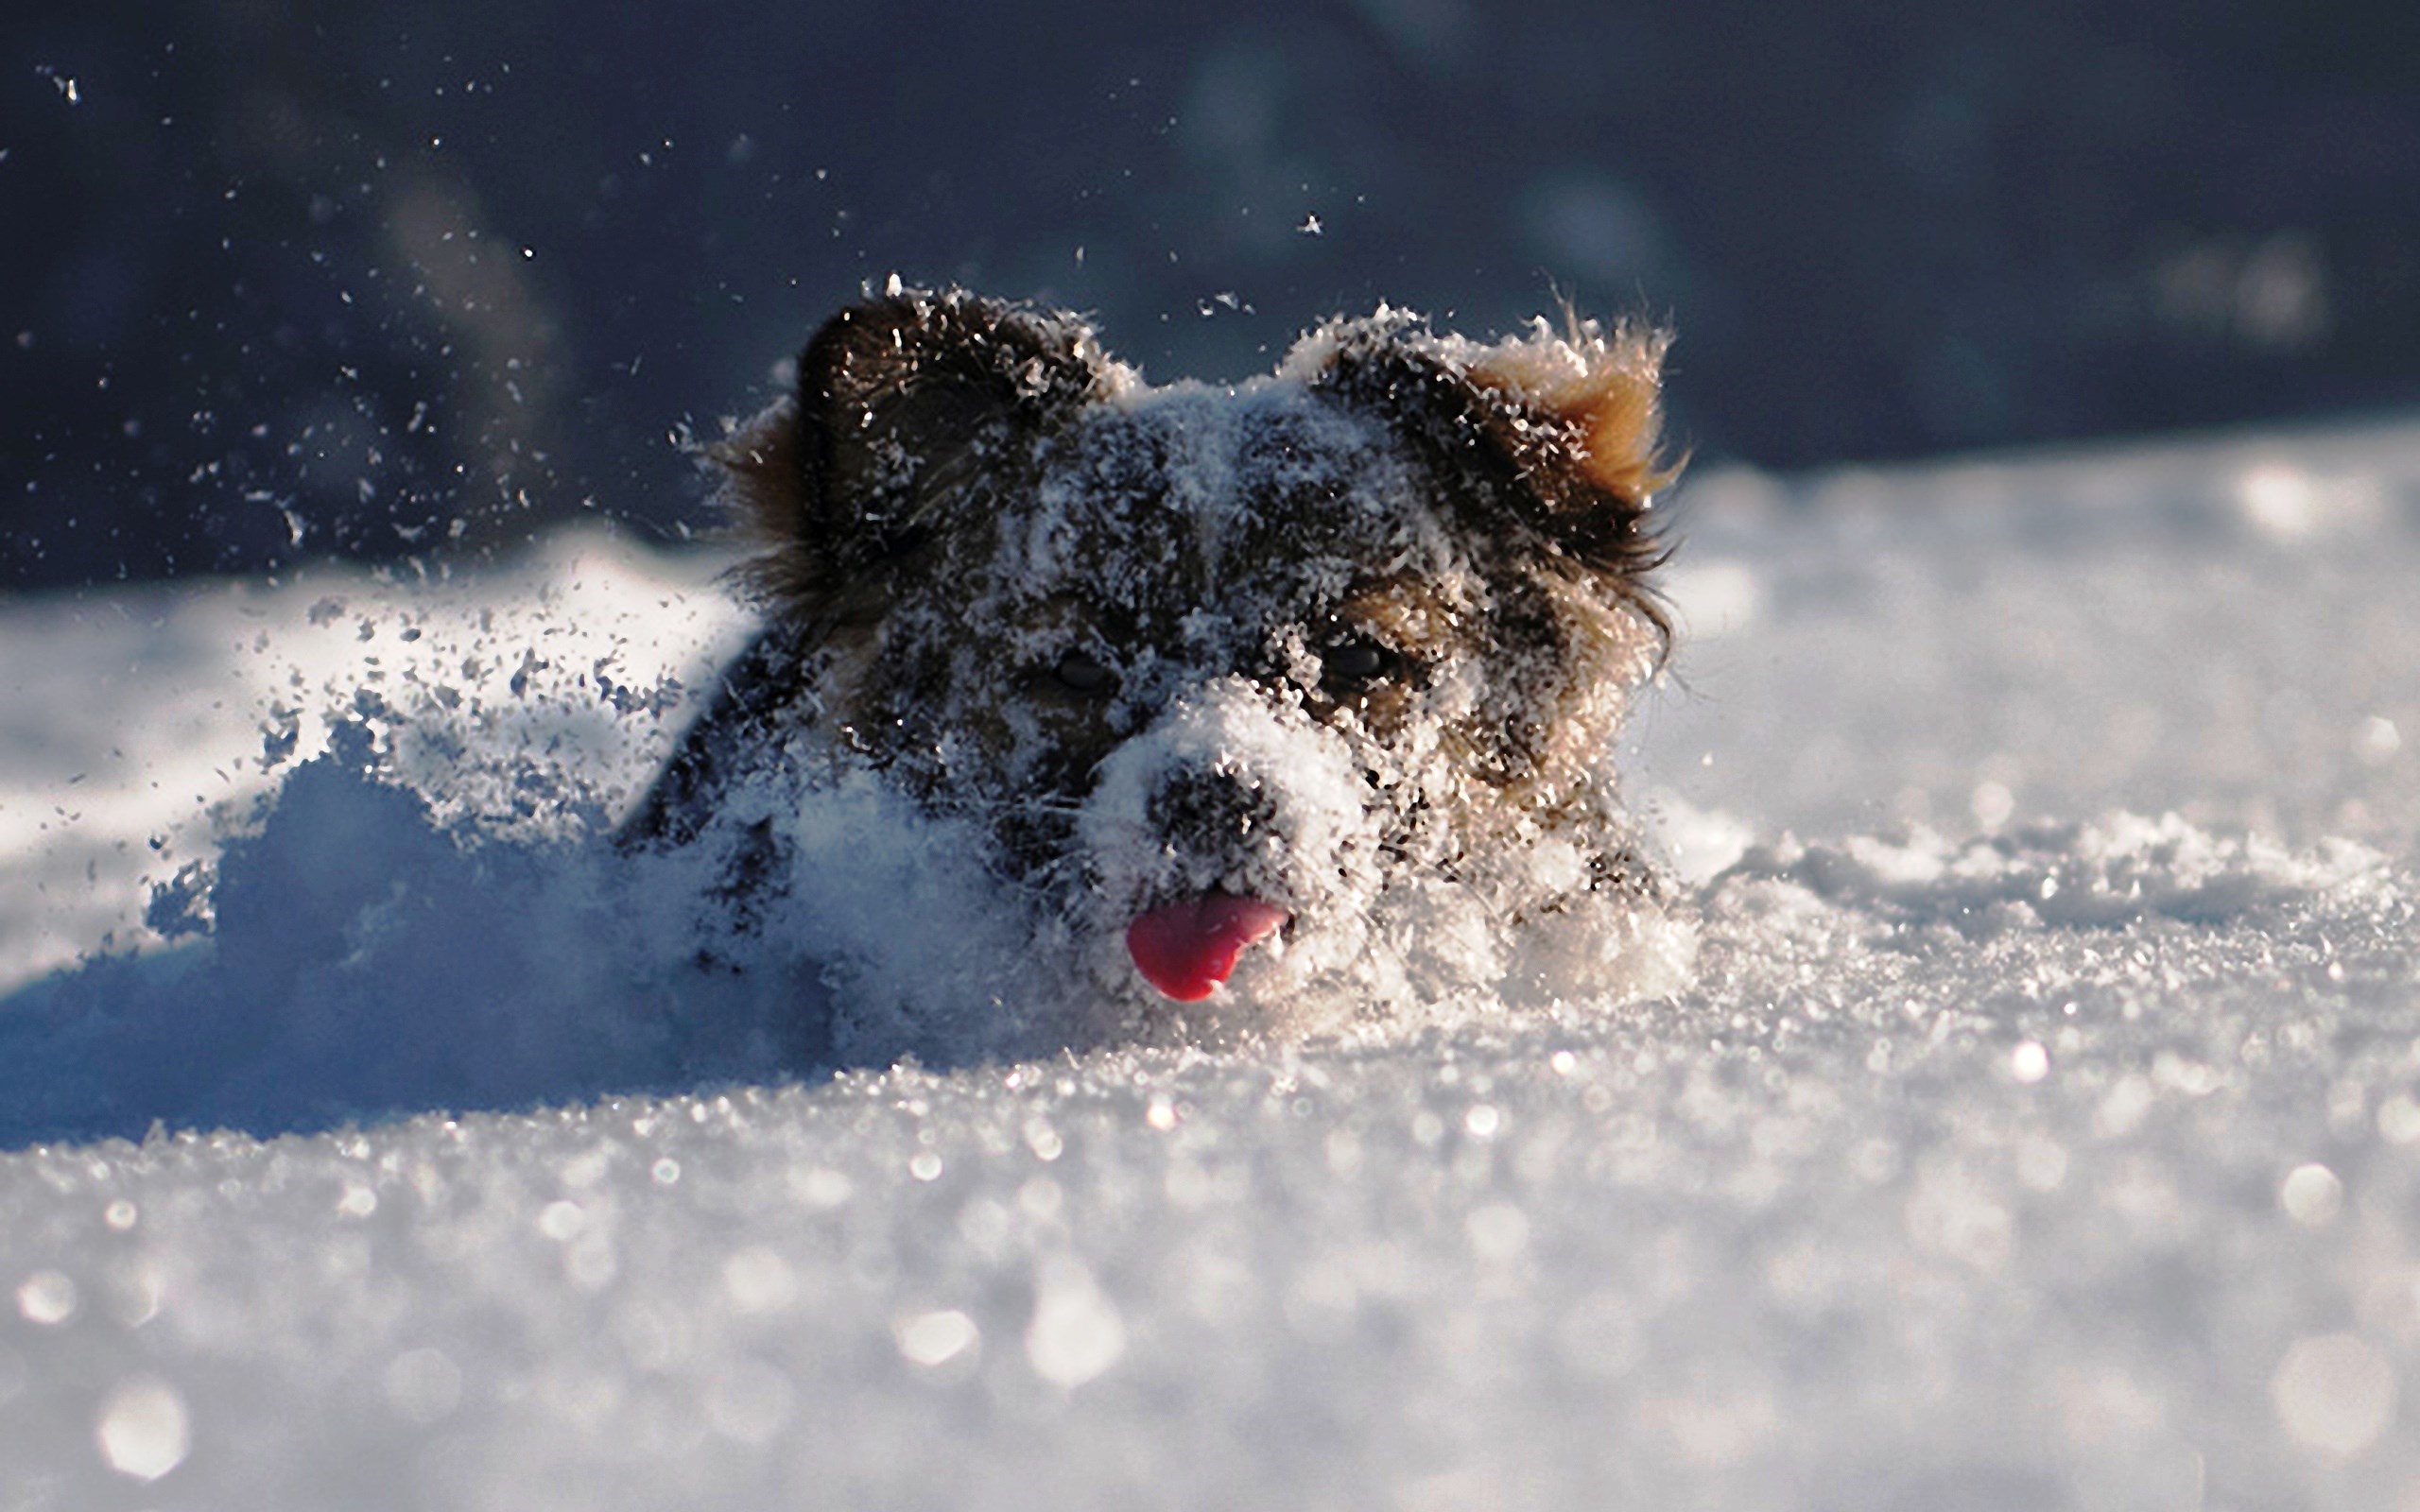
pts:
[1551, 436]
[905, 404]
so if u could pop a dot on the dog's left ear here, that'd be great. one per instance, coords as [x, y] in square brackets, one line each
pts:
[904, 405]
[1554, 434]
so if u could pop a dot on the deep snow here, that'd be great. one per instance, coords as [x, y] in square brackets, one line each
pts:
[2041, 1128]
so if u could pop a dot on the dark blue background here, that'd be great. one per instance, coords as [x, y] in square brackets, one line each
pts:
[284, 280]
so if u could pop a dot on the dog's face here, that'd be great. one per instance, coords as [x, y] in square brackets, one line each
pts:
[1235, 679]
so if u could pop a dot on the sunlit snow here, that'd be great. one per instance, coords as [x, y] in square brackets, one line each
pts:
[2041, 1127]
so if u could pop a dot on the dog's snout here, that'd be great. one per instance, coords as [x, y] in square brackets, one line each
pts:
[1228, 792]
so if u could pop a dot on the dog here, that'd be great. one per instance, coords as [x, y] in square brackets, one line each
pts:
[1303, 688]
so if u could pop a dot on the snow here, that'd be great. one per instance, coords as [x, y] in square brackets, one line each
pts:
[2041, 1127]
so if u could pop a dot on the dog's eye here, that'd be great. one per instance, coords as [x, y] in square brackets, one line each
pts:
[1355, 664]
[1079, 673]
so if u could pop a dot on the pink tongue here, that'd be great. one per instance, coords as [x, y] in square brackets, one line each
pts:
[1185, 949]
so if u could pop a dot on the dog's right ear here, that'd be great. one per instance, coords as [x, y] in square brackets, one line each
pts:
[1549, 437]
[905, 404]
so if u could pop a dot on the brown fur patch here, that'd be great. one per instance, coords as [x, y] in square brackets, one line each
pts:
[1609, 388]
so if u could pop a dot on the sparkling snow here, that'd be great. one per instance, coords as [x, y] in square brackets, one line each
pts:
[2041, 1130]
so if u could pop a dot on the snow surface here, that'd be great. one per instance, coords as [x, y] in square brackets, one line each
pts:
[2042, 1128]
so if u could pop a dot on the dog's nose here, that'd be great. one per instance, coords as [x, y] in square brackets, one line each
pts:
[1209, 808]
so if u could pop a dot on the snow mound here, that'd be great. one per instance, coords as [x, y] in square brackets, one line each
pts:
[2121, 868]
[362, 960]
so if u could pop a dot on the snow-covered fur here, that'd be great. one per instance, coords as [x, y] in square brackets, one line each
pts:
[1337, 654]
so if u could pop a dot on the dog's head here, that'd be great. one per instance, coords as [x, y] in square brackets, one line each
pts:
[1220, 665]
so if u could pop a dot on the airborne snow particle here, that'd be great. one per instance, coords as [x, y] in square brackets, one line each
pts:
[561, 1221]
[2279, 500]
[2334, 1393]
[143, 1430]
[46, 1298]
[2311, 1195]
[758, 1279]
[1991, 804]
[1076, 1333]
[935, 1338]
[2399, 1119]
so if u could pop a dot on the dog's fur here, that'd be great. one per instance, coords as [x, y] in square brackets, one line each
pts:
[1353, 639]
